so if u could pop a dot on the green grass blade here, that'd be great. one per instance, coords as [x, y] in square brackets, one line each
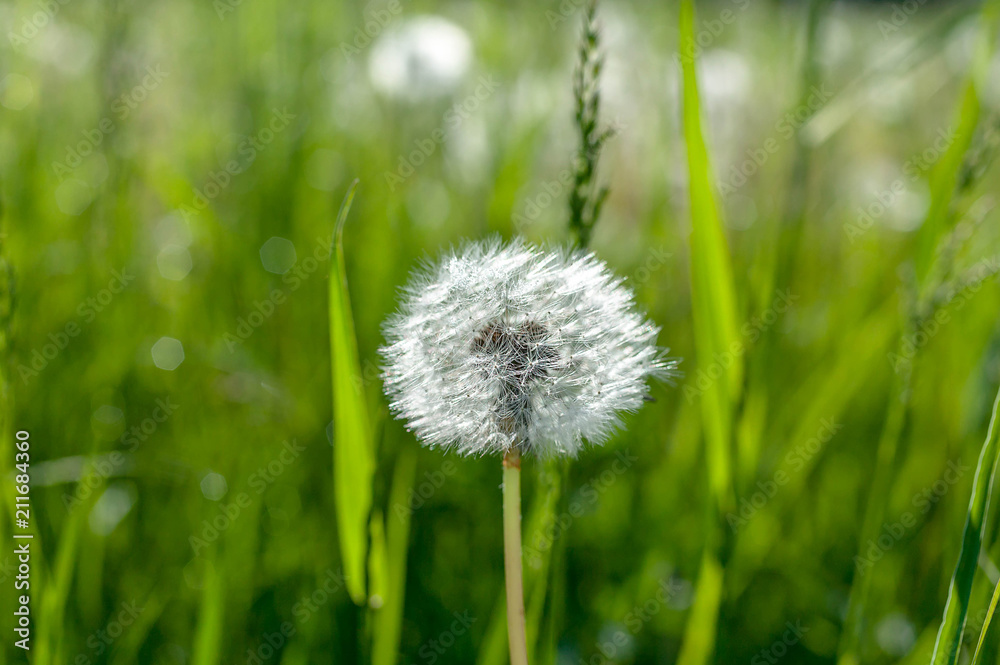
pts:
[537, 572]
[58, 584]
[949, 637]
[986, 624]
[353, 453]
[716, 336]
[389, 620]
[208, 637]
[712, 290]
[493, 647]
[699, 634]
[377, 559]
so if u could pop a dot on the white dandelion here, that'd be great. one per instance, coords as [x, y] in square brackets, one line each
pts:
[509, 348]
[500, 347]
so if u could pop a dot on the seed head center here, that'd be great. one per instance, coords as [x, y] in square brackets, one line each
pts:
[521, 352]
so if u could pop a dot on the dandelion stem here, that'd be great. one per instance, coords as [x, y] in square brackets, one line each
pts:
[512, 557]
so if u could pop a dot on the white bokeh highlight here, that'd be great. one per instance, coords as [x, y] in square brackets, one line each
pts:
[168, 353]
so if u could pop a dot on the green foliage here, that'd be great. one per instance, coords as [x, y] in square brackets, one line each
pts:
[748, 501]
[353, 446]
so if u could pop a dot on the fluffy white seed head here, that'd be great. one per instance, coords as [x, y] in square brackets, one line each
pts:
[497, 345]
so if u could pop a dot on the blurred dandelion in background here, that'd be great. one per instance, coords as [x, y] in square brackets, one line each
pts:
[423, 58]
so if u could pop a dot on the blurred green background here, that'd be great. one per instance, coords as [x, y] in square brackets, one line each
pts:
[170, 172]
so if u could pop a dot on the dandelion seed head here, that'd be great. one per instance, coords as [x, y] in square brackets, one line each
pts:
[506, 345]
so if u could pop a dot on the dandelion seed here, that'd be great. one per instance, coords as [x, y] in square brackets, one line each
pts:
[499, 347]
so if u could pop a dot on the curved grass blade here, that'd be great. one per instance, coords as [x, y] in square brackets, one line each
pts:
[986, 624]
[353, 448]
[949, 637]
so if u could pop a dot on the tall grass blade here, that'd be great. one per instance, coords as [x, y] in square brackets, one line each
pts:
[353, 449]
[949, 637]
[715, 328]
[208, 637]
[389, 620]
[699, 634]
[712, 290]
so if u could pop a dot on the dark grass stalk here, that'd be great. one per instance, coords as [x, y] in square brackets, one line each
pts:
[586, 198]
